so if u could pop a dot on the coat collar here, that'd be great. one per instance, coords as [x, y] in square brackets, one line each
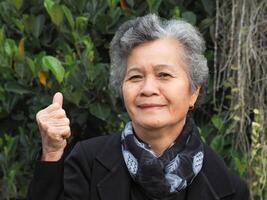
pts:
[116, 183]
[213, 179]
[111, 154]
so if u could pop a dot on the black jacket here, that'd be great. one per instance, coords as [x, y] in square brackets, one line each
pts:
[95, 170]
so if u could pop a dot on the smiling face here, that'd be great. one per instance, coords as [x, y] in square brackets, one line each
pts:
[156, 88]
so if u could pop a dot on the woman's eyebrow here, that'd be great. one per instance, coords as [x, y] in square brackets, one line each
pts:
[133, 69]
[155, 67]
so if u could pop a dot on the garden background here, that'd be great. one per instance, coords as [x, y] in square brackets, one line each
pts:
[51, 45]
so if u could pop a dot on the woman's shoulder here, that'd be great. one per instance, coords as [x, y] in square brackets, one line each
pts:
[101, 141]
[89, 148]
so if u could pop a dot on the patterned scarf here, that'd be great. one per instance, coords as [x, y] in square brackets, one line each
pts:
[163, 176]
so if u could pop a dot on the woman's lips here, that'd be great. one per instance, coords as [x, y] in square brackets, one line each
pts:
[150, 105]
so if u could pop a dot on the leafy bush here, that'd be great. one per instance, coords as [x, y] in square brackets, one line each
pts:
[15, 155]
[52, 45]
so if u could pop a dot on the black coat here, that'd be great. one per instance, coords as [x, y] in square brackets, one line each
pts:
[95, 170]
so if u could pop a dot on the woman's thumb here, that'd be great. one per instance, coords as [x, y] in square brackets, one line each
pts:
[58, 98]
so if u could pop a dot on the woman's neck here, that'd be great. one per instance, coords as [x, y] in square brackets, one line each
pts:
[161, 138]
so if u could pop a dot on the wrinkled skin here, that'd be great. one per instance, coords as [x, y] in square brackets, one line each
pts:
[54, 127]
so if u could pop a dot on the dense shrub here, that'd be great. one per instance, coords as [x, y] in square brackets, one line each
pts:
[49, 46]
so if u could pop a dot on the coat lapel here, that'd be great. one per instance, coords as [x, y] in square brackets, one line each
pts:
[212, 183]
[198, 189]
[203, 189]
[115, 184]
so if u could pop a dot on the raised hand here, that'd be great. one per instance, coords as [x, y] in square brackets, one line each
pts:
[54, 128]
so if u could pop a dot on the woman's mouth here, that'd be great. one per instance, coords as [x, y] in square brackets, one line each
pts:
[150, 105]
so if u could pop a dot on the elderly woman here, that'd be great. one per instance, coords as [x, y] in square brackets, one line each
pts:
[159, 69]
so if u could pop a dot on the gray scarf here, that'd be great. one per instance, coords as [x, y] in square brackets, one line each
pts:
[173, 171]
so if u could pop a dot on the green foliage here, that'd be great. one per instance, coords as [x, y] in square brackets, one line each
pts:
[15, 154]
[55, 66]
[52, 45]
[258, 159]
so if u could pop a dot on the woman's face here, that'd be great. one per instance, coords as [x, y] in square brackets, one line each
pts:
[156, 88]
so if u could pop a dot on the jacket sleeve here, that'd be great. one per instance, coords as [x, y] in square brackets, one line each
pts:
[77, 174]
[47, 181]
[241, 190]
[62, 180]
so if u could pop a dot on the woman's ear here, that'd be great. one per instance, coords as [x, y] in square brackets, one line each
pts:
[194, 96]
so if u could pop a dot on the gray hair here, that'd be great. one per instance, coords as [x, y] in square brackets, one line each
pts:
[148, 28]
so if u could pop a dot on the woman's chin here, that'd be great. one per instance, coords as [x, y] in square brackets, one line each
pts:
[152, 124]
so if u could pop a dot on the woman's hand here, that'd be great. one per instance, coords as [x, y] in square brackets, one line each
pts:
[54, 128]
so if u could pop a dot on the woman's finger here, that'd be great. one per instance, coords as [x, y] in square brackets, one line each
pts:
[59, 122]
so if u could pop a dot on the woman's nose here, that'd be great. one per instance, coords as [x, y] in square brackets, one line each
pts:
[149, 87]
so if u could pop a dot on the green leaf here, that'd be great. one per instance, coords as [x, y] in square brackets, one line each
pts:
[217, 122]
[48, 4]
[68, 15]
[31, 65]
[19, 24]
[176, 12]
[101, 111]
[55, 66]
[2, 35]
[10, 47]
[81, 23]
[2, 94]
[16, 88]
[240, 164]
[217, 143]
[16, 3]
[37, 26]
[112, 3]
[55, 11]
[89, 48]
[57, 14]
[190, 17]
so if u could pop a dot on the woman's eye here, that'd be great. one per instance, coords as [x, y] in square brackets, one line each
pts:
[164, 75]
[135, 77]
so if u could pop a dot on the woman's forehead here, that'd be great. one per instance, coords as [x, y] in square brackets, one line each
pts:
[156, 67]
[161, 51]
[156, 59]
